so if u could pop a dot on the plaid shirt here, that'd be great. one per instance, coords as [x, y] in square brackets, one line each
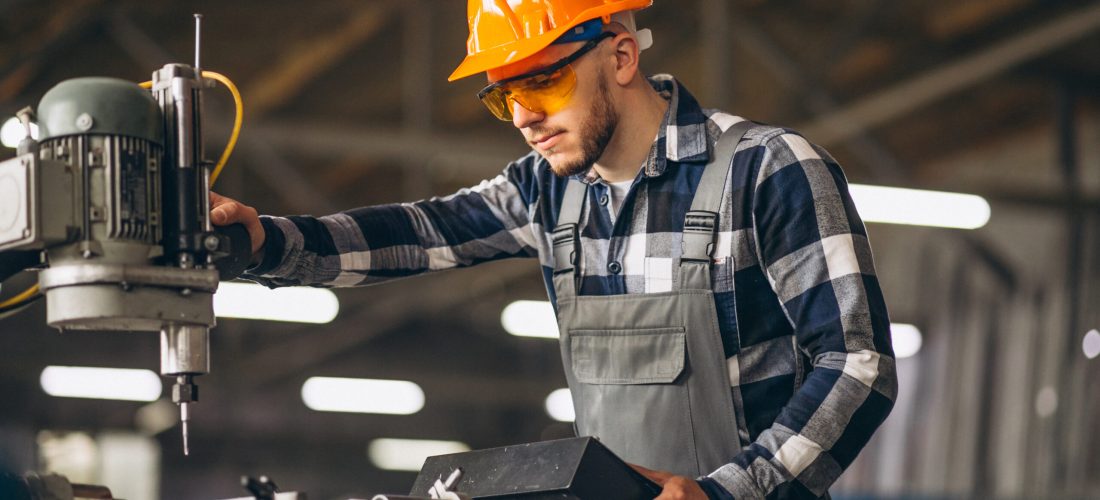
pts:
[802, 318]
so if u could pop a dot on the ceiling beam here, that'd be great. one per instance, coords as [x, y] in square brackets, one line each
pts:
[879, 160]
[309, 59]
[891, 103]
[852, 29]
[961, 18]
[60, 32]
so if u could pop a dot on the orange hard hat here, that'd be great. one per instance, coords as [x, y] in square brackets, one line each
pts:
[505, 31]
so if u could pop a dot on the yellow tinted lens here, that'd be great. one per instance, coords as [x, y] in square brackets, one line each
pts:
[546, 93]
[539, 94]
[498, 104]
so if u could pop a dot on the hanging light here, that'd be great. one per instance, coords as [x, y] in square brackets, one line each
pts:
[530, 318]
[559, 405]
[101, 383]
[409, 454]
[919, 207]
[296, 304]
[13, 132]
[907, 340]
[362, 395]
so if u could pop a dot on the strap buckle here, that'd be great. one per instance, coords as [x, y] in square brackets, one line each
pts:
[700, 230]
[564, 241]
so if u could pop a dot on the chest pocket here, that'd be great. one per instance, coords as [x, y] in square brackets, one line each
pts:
[626, 357]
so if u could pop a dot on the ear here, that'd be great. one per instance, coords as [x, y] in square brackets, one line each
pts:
[625, 50]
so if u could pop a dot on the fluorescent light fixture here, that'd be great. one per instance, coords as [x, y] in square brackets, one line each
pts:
[156, 417]
[919, 207]
[907, 340]
[559, 405]
[293, 304]
[409, 454]
[12, 133]
[362, 395]
[71, 453]
[530, 318]
[100, 383]
[1091, 344]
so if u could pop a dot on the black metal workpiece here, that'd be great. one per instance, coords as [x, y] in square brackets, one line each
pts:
[576, 468]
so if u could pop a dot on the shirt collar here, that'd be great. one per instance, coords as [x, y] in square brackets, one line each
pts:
[682, 138]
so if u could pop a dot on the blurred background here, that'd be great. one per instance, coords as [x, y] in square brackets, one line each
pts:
[347, 104]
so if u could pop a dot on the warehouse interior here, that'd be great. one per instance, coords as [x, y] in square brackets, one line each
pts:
[347, 104]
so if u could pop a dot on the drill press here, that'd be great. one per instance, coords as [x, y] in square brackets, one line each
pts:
[115, 196]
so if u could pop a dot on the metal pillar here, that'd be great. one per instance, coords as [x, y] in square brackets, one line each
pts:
[417, 92]
[717, 53]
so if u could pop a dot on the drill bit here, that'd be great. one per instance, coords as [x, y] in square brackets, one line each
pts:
[184, 354]
[184, 393]
[184, 418]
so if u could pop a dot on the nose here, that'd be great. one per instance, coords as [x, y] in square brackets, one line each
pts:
[523, 117]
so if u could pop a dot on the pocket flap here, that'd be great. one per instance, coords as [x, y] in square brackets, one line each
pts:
[621, 357]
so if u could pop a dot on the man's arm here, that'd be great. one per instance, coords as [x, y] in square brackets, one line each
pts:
[815, 251]
[372, 244]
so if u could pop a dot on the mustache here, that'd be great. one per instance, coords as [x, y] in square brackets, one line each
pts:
[542, 131]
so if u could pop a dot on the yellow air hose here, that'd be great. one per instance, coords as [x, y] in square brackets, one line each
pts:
[25, 296]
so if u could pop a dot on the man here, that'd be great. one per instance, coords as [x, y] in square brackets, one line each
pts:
[721, 323]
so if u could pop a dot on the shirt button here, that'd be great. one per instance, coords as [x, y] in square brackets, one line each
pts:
[603, 199]
[615, 267]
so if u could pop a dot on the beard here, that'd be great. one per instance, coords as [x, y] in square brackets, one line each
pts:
[596, 132]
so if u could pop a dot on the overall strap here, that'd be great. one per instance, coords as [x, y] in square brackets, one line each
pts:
[701, 221]
[565, 240]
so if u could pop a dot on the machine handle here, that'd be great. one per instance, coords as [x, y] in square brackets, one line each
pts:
[234, 251]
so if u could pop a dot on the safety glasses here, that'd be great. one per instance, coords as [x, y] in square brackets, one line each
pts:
[544, 91]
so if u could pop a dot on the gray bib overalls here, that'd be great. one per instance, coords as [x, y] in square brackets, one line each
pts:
[648, 372]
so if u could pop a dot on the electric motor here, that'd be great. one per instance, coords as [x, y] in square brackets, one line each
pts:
[98, 210]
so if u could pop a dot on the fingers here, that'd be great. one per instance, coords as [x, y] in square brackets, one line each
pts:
[681, 488]
[228, 213]
[225, 211]
[659, 477]
[673, 487]
[221, 208]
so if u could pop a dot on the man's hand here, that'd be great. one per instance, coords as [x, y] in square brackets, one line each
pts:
[673, 487]
[225, 211]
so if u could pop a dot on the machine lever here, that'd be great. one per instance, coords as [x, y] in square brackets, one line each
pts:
[233, 252]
